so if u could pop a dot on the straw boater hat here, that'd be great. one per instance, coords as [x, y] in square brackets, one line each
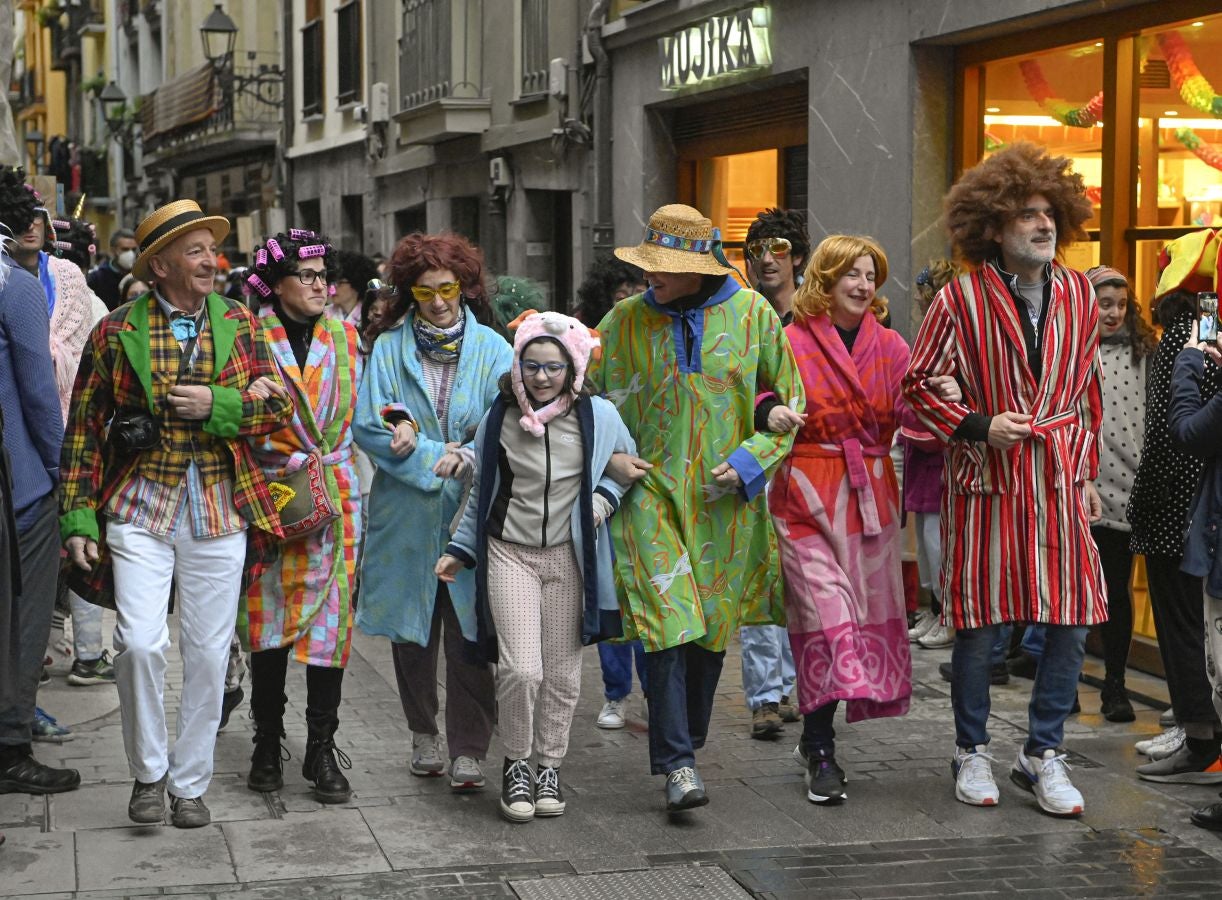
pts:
[680, 240]
[170, 221]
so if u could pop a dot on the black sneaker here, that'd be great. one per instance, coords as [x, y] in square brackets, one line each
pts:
[21, 773]
[549, 799]
[825, 780]
[229, 702]
[1114, 702]
[517, 790]
[95, 671]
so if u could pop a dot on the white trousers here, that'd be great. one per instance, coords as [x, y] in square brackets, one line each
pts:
[208, 572]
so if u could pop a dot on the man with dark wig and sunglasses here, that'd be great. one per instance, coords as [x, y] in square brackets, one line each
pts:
[160, 483]
[777, 249]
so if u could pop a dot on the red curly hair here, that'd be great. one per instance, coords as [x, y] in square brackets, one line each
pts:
[990, 195]
[418, 253]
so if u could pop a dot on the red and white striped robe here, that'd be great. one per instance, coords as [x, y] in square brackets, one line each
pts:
[1015, 528]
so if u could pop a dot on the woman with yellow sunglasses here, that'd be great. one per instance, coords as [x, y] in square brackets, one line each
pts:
[431, 376]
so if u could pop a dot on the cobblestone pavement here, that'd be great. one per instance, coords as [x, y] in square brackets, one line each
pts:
[901, 834]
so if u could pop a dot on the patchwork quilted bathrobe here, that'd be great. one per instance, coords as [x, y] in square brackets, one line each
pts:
[835, 503]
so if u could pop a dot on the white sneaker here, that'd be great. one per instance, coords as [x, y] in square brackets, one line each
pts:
[1047, 777]
[613, 715]
[925, 620]
[1161, 745]
[973, 772]
[937, 637]
[426, 758]
[466, 775]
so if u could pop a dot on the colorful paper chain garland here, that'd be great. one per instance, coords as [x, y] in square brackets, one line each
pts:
[1194, 88]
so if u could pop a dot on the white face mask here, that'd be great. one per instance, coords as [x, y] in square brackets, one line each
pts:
[126, 260]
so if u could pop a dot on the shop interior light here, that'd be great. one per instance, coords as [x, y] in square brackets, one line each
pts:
[1198, 24]
[1194, 124]
[1033, 121]
[992, 109]
[1098, 43]
[1170, 112]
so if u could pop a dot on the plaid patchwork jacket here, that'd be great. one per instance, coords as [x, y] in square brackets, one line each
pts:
[122, 367]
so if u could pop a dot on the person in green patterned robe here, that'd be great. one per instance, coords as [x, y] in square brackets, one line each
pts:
[685, 363]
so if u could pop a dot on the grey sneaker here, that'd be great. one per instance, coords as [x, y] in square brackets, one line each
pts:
[147, 805]
[189, 812]
[549, 798]
[466, 775]
[684, 790]
[426, 758]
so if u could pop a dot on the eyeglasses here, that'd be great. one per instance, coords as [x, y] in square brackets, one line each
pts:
[779, 247]
[551, 370]
[309, 276]
[376, 287]
[447, 291]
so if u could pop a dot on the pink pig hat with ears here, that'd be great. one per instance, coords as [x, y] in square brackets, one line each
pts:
[577, 342]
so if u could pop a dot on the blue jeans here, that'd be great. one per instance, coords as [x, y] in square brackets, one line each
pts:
[1034, 639]
[616, 661]
[768, 673]
[684, 680]
[1052, 696]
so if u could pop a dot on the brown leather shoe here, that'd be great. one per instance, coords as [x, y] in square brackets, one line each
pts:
[788, 712]
[147, 805]
[189, 812]
[766, 722]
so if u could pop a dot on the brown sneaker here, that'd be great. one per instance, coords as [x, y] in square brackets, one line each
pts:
[766, 722]
[787, 711]
[189, 812]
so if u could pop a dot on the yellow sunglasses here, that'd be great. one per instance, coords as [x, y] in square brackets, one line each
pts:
[447, 291]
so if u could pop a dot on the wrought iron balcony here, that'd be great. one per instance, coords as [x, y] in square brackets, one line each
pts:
[209, 112]
[441, 91]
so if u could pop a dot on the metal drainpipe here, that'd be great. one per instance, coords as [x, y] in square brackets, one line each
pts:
[283, 165]
[603, 229]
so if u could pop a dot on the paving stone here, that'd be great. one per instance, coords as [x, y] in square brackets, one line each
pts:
[460, 831]
[150, 857]
[33, 862]
[330, 842]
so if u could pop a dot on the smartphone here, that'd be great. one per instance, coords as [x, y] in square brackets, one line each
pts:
[1207, 317]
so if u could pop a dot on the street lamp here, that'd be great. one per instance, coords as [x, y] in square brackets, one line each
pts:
[219, 34]
[113, 102]
[35, 141]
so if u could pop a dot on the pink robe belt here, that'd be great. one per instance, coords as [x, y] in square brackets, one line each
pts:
[854, 454]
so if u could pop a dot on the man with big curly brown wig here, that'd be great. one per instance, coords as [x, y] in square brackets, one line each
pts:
[1020, 333]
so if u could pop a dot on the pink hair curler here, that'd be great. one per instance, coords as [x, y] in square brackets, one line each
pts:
[257, 283]
[273, 247]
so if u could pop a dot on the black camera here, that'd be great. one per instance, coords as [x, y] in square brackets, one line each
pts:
[132, 431]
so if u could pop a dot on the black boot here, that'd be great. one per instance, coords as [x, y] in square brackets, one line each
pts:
[267, 762]
[21, 773]
[1114, 701]
[323, 761]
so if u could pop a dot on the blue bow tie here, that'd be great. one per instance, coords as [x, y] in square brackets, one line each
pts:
[183, 328]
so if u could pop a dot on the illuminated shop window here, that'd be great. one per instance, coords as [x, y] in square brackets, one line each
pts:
[1053, 99]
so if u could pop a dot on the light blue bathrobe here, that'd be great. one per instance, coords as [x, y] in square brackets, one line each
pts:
[410, 508]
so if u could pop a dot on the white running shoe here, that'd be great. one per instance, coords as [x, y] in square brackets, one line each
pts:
[614, 714]
[973, 772]
[1161, 745]
[426, 758]
[925, 620]
[937, 637]
[466, 775]
[1047, 777]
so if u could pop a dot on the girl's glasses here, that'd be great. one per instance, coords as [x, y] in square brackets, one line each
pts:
[551, 369]
[309, 276]
[447, 291]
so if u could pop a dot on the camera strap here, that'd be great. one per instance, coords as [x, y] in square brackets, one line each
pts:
[184, 362]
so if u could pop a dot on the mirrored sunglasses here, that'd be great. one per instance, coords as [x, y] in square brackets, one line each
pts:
[779, 247]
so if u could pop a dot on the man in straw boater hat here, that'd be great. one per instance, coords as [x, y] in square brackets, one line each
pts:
[171, 490]
[1021, 333]
[695, 550]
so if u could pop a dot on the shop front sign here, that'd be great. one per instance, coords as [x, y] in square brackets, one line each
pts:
[718, 46]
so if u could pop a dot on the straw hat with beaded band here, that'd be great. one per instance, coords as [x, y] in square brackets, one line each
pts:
[678, 239]
[163, 225]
